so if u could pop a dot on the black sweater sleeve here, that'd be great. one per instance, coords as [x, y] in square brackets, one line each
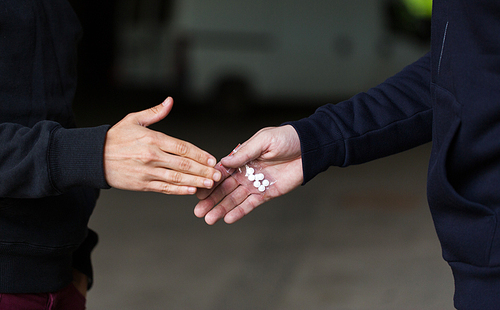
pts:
[48, 159]
[387, 119]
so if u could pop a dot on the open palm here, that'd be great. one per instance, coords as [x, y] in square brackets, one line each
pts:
[276, 153]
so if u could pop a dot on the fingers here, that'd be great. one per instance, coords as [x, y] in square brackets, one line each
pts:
[277, 151]
[165, 173]
[232, 208]
[250, 203]
[229, 201]
[186, 166]
[246, 152]
[189, 164]
[170, 189]
[207, 204]
[227, 204]
[203, 193]
[253, 148]
[184, 149]
[268, 144]
[169, 144]
[181, 179]
[137, 158]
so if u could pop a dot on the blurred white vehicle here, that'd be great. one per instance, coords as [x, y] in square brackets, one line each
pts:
[278, 50]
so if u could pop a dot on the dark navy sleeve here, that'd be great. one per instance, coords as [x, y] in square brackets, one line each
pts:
[392, 117]
[48, 159]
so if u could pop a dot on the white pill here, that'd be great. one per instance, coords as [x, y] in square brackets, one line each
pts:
[251, 177]
[262, 188]
[259, 176]
[265, 183]
[256, 184]
[250, 171]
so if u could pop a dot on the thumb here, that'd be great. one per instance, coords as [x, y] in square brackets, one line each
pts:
[155, 114]
[242, 155]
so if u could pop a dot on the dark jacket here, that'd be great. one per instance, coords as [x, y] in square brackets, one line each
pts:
[452, 96]
[50, 172]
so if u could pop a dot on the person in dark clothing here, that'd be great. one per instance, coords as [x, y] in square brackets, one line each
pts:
[450, 96]
[51, 172]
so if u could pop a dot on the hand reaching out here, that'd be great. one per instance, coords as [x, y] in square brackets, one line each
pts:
[140, 159]
[276, 151]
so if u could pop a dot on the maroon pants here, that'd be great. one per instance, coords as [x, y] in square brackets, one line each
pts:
[69, 298]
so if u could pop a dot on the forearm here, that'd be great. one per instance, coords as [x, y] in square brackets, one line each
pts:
[48, 159]
[387, 119]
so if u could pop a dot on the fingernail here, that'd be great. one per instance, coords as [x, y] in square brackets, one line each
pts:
[207, 183]
[164, 103]
[212, 162]
[192, 190]
[217, 176]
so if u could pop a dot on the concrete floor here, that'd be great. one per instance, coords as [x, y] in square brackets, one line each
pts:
[353, 238]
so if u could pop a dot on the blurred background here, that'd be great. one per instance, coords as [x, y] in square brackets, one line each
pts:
[353, 238]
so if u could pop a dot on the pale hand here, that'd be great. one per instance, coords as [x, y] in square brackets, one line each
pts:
[277, 152]
[140, 159]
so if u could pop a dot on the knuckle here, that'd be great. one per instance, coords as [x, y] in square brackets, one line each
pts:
[200, 157]
[155, 109]
[181, 148]
[230, 203]
[219, 212]
[176, 177]
[167, 189]
[131, 115]
[150, 138]
[238, 213]
[145, 187]
[184, 164]
[149, 156]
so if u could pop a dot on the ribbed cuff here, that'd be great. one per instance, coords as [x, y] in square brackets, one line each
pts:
[76, 158]
[321, 147]
[476, 288]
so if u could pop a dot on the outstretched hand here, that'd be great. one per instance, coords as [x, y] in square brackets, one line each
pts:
[140, 159]
[276, 150]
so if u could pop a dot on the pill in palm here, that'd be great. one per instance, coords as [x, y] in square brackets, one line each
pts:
[256, 178]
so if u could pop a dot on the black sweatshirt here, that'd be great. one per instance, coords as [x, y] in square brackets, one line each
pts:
[50, 172]
[452, 96]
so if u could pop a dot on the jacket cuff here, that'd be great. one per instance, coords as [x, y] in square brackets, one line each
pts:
[76, 158]
[321, 147]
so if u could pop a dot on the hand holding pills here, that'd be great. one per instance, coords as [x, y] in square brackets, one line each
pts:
[251, 176]
[266, 166]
